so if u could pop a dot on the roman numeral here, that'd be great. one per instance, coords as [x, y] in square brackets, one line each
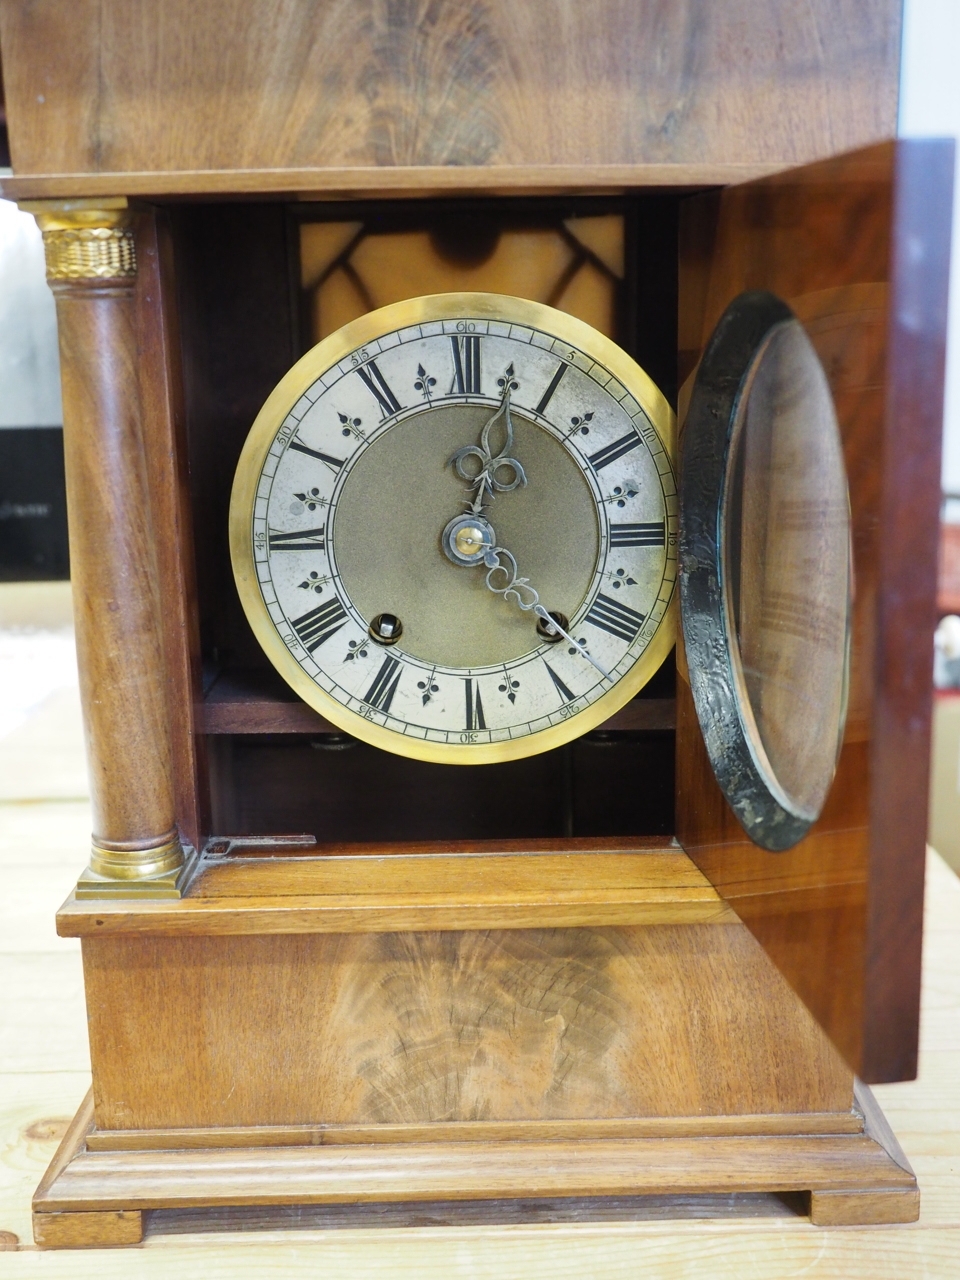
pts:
[610, 615]
[475, 718]
[562, 689]
[303, 540]
[333, 463]
[637, 535]
[317, 626]
[380, 694]
[603, 457]
[466, 365]
[554, 383]
[374, 381]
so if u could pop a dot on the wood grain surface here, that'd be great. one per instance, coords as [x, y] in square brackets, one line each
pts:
[116, 590]
[424, 1028]
[381, 891]
[401, 182]
[44, 1075]
[80, 1230]
[851, 1208]
[769, 1247]
[472, 1171]
[858, 247]
[164, 439]
[483, 83]
[790, 1124]
[220, 968]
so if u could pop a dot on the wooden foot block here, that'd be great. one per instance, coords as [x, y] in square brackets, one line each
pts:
[94, 1229]
[864, 1208]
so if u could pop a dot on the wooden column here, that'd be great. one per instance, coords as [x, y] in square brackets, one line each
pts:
[91, 268]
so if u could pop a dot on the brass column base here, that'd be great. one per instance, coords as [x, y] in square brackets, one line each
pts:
[131, 862]
[169, 882]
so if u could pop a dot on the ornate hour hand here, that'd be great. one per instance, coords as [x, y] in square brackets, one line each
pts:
[485, 481]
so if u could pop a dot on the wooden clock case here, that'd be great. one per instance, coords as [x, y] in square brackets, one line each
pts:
[317, 974]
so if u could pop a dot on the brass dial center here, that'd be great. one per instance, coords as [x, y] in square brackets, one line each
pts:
[469, 541]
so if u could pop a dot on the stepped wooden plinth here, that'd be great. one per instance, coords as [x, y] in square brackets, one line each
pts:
[469, 1025]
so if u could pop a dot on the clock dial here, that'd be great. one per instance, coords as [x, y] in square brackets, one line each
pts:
[454, 528]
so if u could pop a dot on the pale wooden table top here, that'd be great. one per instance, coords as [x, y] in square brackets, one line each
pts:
[44, 1073]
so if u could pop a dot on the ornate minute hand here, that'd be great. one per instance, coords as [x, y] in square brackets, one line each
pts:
[470, 540]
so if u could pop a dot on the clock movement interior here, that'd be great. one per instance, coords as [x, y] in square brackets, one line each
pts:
[259, 286]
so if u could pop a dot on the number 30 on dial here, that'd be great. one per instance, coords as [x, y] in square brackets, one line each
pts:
[453, 528]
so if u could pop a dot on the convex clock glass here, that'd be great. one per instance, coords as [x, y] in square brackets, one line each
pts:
[767, 583]
[453, 528]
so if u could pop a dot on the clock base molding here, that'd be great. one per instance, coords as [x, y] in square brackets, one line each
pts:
[96, 1196]
[486, 1023]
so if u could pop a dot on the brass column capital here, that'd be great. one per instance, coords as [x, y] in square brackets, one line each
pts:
[86, 241]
